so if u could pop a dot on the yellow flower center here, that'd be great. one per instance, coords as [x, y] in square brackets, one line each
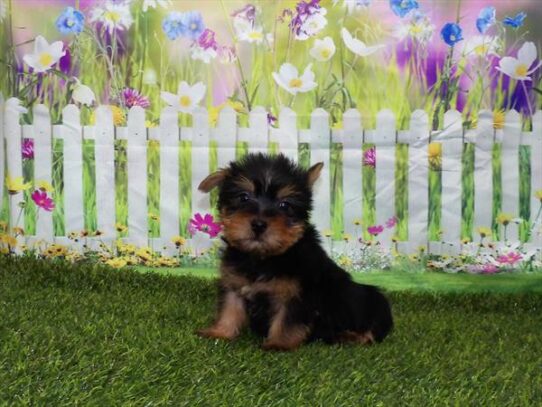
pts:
[46, 59]
[416, 29]
[521, 70]
[185, 101]
[326, 52]
[481, 49]
[255, 35]
[452, 37]
[112, 16]
[295, 83]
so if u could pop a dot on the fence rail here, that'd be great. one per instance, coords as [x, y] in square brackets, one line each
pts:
[287, 136]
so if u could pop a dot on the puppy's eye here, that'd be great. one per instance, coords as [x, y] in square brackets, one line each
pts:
[283, 205]
[244, 197]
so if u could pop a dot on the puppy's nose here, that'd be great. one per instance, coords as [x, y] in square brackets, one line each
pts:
[258, 226]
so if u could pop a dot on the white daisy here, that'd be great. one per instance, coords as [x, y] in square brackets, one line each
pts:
[312, 25]
[155, 3]
[481, 46]
[246, 31]
[518, 68]
[187, 97]
[115, 16]
[323, 50]
[354, 5]
[45, 55]
[356, 46]
[82, 93]
[288, 78]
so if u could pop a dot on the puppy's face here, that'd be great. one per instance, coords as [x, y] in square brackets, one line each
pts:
[264, 202]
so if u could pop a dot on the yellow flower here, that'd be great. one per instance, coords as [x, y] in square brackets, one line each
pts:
[56, 250]
[73, 236]
[154, 217]
[327, 233]
[504, 218]
[166, 262]
[98, 232]
[150, 124]
[116, 263]
[357, 222]
[17, 231]
[178, 241]
[347, 237]
[237, 106]
[498, 119]
[338, 125]
[44, 186]
[344, 261]
[119, 118]
[538, 195]
[465, 240]
[10, 241]
[144, 253]
[435, 157]
[16, 185]
[484, 232]
[3, 226]
[214, 111]
[395, 239]
[84, 233]
[120, 227]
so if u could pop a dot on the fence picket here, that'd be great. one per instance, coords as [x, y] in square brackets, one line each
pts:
[319, 151]
[13, 133]
[286, 134]
[169, 177]
[256, 135]
[510, 170]
[71, 132]
[352, 141]
[536, 178]
[418, 182]
[451, 138]
[483, 173]
[225, 135]
[136, 153]
[385, 139]
[200, 160]
[2, 152]
[43, 164]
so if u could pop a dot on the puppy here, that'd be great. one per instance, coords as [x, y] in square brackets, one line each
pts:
[274, 274]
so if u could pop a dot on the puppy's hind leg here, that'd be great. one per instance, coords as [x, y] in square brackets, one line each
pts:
[232, 317]
[285, 335]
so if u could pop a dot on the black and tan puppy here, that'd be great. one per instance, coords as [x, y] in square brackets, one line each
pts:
[275, 276]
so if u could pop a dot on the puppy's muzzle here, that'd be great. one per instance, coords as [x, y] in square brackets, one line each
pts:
[258, 226]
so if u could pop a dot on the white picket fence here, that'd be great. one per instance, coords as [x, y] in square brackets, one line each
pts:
[258, 135]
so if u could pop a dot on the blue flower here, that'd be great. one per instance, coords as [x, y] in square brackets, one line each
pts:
[485, 19]
[451, 33]
[173, 25]
[516, 21]
[193, 23]
[403, 7]
[70, 21]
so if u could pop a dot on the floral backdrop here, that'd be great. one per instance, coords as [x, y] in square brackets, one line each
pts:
[333, 54]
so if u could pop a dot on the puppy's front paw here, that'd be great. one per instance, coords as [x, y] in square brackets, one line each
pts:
[271, 345]
[215, 333]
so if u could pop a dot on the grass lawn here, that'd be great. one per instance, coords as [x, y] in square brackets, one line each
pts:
[82, 335]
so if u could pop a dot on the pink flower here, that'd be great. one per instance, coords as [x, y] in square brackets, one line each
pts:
[207, 40]
[204, 224]
[369, 157]
[28, 148]
[391, 222]
[41, 199]
[489, 268]
[375, 230]
[510, 258]
[227, 55]
[131, 97]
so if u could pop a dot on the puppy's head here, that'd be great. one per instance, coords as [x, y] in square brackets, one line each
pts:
[264, 202]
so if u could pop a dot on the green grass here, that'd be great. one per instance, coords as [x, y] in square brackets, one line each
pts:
[88, 335]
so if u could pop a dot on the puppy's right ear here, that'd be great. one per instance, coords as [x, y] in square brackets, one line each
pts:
[213, 180]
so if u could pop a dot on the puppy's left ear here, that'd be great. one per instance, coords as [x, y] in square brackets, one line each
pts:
[213, 180]
[314, 173]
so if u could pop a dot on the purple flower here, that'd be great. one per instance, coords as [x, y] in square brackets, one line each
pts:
[131, 97]
[304, 11]
[375, 230]
[246, 13]
[391, 222]
[516, 21]
[369, 157]
[207, 40]
[205, 224]
[28, 148]
[485, 19]
[271, 120]
[451, 34]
